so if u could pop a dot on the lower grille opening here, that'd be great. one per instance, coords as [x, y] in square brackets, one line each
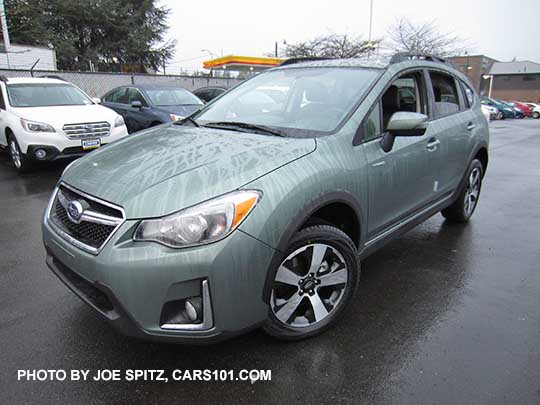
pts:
[192, 313]
[87, 290]
[175, 312]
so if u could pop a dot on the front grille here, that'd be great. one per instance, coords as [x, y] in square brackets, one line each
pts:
[97, 223]
[89, 129]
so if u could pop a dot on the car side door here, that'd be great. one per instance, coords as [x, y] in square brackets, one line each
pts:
[138, 118]
[400, 180]
[454, 123]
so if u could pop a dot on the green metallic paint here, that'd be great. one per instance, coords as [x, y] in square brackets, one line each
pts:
[169, 168]
[160, 171]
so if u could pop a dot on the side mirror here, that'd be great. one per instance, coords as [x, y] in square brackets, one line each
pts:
[136, 104]
[96, 100]
[403, 124]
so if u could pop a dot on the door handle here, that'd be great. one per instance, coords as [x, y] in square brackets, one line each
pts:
[432, 144]
[471, 126]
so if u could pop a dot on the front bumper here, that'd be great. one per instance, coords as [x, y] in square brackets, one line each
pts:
[59, 143]
[129, 282]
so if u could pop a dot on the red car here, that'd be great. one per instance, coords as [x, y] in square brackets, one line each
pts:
[527, 110]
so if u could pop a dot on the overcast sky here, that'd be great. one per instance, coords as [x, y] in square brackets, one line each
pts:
[497, 28]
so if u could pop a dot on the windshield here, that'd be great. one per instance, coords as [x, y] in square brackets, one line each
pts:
[172, 97]
[45, 95]
[297, 101]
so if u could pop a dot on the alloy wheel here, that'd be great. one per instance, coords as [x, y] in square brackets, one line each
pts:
[15, 153]
[472, 192]
[308, 286]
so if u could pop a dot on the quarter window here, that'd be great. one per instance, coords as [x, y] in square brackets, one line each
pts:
[469, 95]
[445, 92]
[372, 125]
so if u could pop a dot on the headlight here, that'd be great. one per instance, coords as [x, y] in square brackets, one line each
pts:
[33, 126]
[175, 117]
[119, 121]
[203, 223]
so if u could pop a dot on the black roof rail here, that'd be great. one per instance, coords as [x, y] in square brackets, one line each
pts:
[404, 56]
[292, 61]
[3, 79]
[52, 77]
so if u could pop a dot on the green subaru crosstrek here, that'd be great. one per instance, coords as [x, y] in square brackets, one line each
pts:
[257, 210]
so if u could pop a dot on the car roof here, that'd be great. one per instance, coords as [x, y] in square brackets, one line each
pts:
[34, 80]
[394, 63]
[156, 87]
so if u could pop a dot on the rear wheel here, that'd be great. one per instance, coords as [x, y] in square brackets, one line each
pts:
[313, 284]
[463, 208]
[536, 114]
[19, 160]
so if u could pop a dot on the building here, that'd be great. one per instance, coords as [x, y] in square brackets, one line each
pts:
[25, 56]
[519, 80]
[475, 67]
[235, 63]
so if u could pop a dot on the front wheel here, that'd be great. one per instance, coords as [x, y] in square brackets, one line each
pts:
[313, 283]
[536, 115]
[463, 208]
[19, 160]
[500, 116]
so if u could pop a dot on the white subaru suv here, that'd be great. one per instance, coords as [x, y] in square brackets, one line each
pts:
[45, 119]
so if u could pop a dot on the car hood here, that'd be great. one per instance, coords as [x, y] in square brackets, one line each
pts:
[164, 169]
[182, 110]
[66, 114]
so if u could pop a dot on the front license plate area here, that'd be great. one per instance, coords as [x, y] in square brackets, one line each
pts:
[88, 144]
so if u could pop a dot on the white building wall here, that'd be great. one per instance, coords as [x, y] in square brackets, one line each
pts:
[24, 56]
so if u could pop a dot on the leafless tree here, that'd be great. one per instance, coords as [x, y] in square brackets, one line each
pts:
[426, 38]
[331, 46]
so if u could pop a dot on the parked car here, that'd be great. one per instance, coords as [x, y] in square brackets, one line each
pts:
[505, 111]
[207, 94]
[490, 112]
[517, 111]
[535, 109]
[527, 110]
[243, 216]
[144, 105]
[43, 119]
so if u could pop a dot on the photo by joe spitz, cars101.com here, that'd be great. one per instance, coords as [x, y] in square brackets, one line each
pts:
[255, 211]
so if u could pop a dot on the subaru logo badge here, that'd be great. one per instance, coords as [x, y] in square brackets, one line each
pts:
[75, 211]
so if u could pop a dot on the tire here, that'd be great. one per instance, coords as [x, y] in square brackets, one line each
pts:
[314, 282]
[19, 160]
[536, 115]
[500, 116]
[461, 210]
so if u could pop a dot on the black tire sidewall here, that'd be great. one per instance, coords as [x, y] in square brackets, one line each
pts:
[474, 164]
[25, 164]
[334, 237]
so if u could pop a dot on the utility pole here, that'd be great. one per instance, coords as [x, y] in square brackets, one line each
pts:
[276, 50]
[370, 28]
[5, 32]
[370, 20]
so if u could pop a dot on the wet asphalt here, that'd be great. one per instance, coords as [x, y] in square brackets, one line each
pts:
[445, 314]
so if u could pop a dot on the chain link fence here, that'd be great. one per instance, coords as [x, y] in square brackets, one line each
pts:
[96, 84]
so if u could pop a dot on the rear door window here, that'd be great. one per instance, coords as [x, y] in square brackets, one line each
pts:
[446, 98]
[116, 96]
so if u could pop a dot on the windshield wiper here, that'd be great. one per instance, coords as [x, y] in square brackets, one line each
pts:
[244, 125]
[187, 119]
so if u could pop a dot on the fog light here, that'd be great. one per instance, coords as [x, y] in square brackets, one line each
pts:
[40, 154]
[194, 309]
